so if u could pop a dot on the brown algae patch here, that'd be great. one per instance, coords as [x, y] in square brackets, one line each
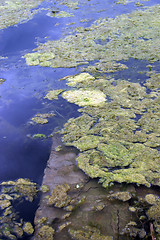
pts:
[135, 35]
[15, 11]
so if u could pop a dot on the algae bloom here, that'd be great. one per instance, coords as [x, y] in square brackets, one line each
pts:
[85, 97]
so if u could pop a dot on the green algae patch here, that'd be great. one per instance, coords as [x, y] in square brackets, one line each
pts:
[80, 78]
[114, 145]
[39, 135]
[11, 225]
[59, 196]
[85, 97]
[28, 228]
[43, 59]
[88, 233]
[2, 80]
[45, 232]
[42, 118]
[134, 35]
[15, 11]
[53, 94]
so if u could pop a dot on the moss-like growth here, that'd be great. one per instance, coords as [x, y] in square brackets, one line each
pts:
[85, 97]
[80, 78]
[28, 228]
[2, 80]
[59, 196]
[42, 118]
[15, 11]
[134, 35]
[88, 233]
[45, 232]
[53, 94]
[122, 196]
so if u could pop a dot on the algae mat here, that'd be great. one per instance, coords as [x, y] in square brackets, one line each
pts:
[15, 11]
[118, 132]
[135, 35]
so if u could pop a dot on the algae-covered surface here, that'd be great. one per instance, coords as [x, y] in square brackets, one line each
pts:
[106, 55]
[15, 11]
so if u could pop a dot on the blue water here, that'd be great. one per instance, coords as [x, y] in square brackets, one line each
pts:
[21, 95]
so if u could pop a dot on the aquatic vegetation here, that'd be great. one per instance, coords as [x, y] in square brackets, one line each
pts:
[28, 228]
[15, 11]
[42, 118]
[11, 227]
[23, 187]
[80, 78]
[88, 233]
[134, 35]
[114, 145]
[53, 94]
[45, 232]
[38, 135]
[85, 97]
[2, 80]
[59, 196]
[122, 196]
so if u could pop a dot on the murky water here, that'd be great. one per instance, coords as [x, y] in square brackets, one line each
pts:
[21, 95]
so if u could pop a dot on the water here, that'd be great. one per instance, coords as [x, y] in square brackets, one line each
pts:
[21, 95]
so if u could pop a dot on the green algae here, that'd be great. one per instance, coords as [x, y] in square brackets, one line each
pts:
[134, 35]
[45, 232]
[2, 80]
[53, 94]
[15, 11]
[42, 118]
[11, 226]
[85, 97]
[113, 145]
[59, 196]
[28, 228]
[39, 135]
[73, 81]
[88, 233]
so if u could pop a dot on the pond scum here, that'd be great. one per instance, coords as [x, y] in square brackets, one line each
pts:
[118, 131]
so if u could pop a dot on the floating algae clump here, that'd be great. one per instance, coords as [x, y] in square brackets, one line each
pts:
[114, 145]
[85, 97]
[28, 228]
[42, 118]
[15, 11]
[134, 35]
[80, 78]
[11, 225]
[45, 232]
[2, 80]
[53, 94]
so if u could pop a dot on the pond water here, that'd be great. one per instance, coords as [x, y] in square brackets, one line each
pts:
[22, 93]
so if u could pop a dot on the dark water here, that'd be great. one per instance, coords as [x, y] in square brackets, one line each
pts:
[21, 95]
